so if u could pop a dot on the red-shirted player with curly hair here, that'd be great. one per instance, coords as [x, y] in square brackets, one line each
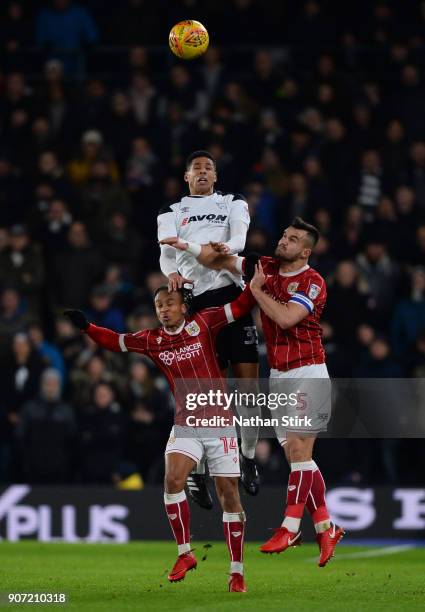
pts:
[183, 348]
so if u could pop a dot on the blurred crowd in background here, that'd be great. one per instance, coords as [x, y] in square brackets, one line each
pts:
[311, 108]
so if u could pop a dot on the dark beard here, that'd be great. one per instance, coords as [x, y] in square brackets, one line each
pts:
[283, 258]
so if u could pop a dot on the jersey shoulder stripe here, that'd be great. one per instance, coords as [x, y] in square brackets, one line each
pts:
[165, 209]
[235, 196]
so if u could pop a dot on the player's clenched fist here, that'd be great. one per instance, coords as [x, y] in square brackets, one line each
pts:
[220, 247]
[77, 318]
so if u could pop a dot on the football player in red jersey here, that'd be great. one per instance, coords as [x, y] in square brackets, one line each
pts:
[184, 348]
[291, 296]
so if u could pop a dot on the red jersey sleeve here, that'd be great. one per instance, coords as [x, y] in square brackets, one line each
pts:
[240, 307]
[214, 318]
[117, 343]
[269, 264]
[310, 291]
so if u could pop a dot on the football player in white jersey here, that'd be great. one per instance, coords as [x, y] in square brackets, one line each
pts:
[209, 216]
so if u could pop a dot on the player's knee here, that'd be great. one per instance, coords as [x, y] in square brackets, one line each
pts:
[298, 450]
[174, 482]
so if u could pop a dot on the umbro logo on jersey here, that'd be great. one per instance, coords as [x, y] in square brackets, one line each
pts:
[292, 488]
[236, 534]
[211, 217]
[172, 516]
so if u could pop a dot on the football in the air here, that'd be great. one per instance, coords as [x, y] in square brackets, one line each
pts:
[188, 39]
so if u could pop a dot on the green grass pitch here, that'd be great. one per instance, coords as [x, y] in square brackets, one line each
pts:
[134, 577]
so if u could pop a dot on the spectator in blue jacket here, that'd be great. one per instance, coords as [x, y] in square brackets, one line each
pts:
[102, 312]
[65, 30]
[409, 315]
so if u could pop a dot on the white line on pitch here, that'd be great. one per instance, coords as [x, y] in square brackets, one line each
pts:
[378, 552]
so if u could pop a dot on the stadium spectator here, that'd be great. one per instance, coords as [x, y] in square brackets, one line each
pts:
[54, 228]
[101, 196]
[91, 151]
[122, 244]
[13, 317]
[344, 295]
[46, 434]
[21, 265]
[49, 353]
[65, 29]
[101, 310]
[409, 315]
[70, 289]
[21, 376]
[380, 274]
[102, 435]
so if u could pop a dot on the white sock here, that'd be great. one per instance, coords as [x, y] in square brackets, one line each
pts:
[174, 498]
[183, 548]
[291, 523]
[236, 567]
[322, 526]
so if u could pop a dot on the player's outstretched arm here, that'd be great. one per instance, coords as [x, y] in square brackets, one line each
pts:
[243, 304]
[285, 315]
[106, 338]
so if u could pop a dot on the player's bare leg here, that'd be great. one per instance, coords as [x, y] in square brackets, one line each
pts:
[234, 529]
[249, 435]
[177, 469]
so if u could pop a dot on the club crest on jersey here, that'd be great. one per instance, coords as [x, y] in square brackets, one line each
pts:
[313, 292]
[184, 209]
[159, 339]
[193, 328]
[292, 288]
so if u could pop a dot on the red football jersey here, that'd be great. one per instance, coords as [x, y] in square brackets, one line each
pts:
[300, 345]
[188, 354]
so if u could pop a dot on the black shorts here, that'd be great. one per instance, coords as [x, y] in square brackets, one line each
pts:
[237, 342]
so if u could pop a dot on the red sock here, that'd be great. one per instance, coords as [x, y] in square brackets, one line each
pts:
[316, 502]
[299, 485]
[234, 531]
[178, 513]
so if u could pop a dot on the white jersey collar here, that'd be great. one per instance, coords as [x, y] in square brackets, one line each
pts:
[178, 331]
[201, 196]
[295, 272]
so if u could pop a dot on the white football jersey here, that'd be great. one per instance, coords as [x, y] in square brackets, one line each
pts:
[203, 219]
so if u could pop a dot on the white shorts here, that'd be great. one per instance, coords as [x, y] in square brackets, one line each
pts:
[318, 370]
[318, 409]
[221, 453]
